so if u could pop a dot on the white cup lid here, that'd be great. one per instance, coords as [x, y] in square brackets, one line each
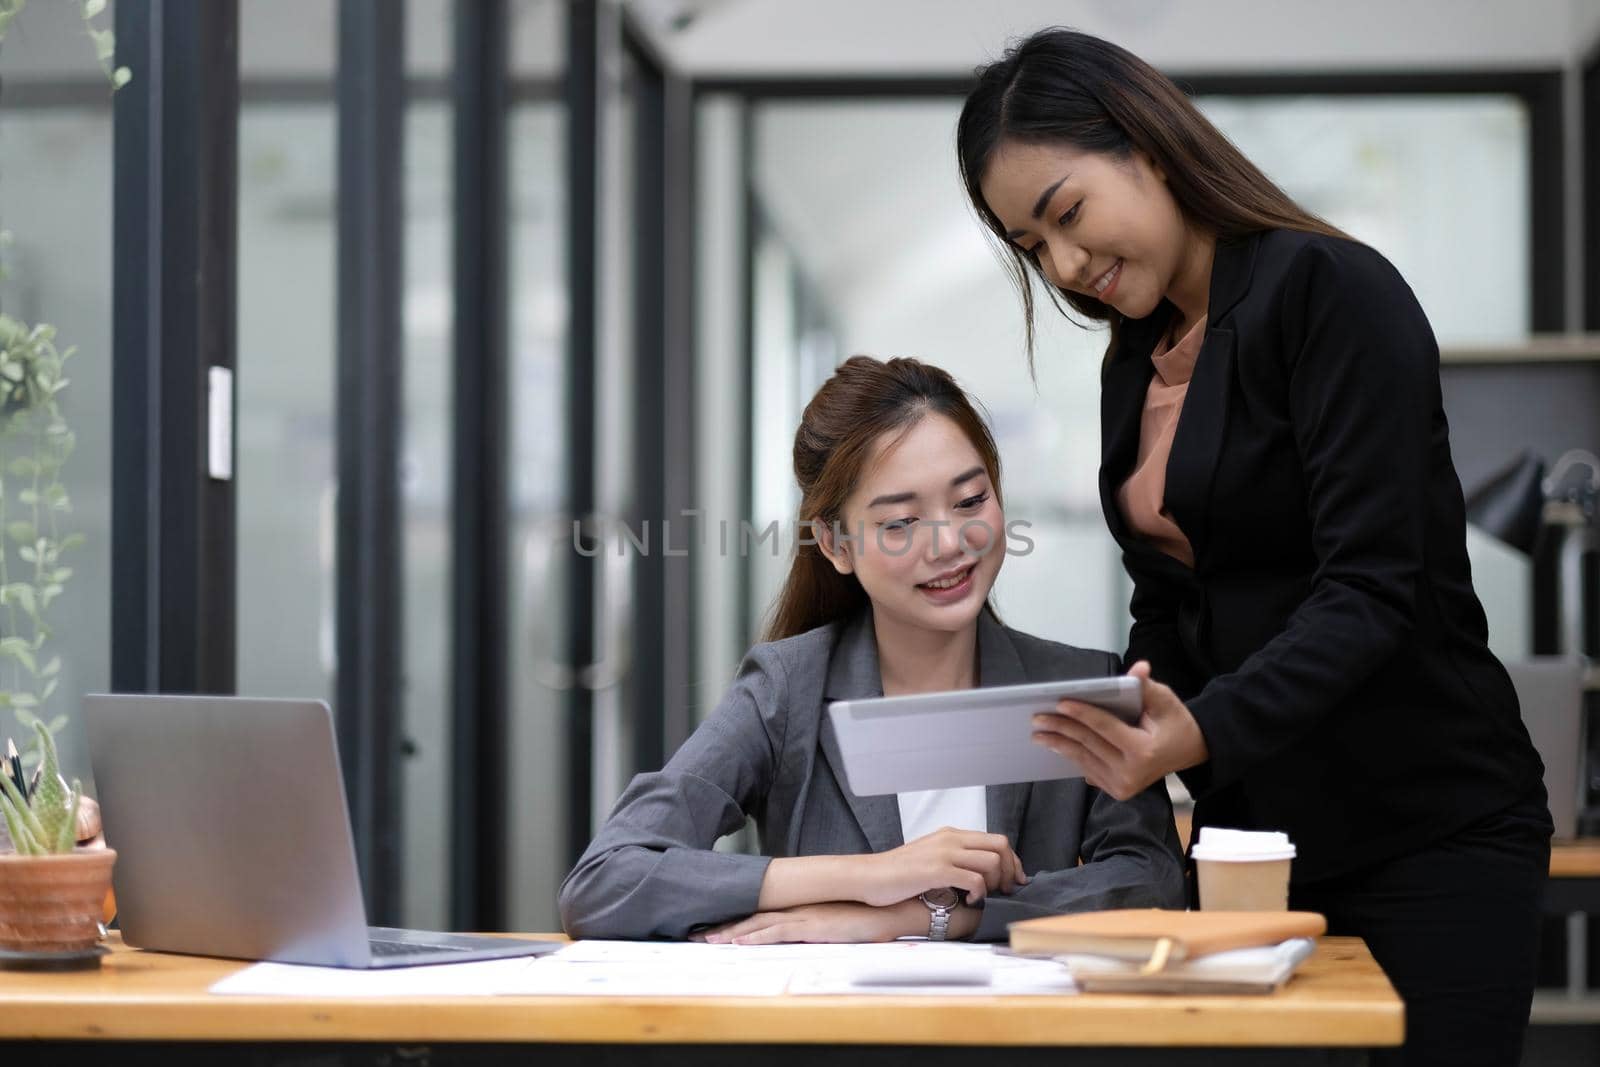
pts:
[1242, 846]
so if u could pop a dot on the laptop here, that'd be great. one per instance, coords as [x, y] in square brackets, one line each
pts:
[964, 737]
[232, 836]
[1550, 691]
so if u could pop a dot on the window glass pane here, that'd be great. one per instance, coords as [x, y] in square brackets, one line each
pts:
[539, 436]
[288, 40]
[288, 289]
[615, 474]
[288, 260]
[287, 337]
[55, 199]
[288, 398]
[902, 268]
[426, 479]
[1438, 184]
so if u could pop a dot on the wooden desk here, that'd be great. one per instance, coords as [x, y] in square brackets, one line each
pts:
[1574, 886]
[1575, 859]
[1573, 891]
[1340, 1001]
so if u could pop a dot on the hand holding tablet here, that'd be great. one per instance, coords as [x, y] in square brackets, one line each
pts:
[1119, 758]
[965, 737]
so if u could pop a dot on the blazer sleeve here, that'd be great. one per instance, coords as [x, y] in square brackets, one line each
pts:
[1363, 392]
[1153, 636]
[651, 871]
[1130, 859]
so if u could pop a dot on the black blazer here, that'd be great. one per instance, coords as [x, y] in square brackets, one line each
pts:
[1328, 640]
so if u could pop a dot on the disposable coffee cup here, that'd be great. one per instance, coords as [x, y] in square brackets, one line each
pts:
[1243, 870]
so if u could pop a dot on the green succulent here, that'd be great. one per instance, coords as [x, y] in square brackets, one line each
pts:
[45, 824]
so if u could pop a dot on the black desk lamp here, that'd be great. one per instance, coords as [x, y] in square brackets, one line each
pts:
[1509, 506]
[1516, 506]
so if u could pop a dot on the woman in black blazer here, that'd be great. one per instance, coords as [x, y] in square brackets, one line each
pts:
[1318, 658]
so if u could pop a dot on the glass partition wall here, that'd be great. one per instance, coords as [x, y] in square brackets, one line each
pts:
[288, 429]
[859, 212]
[542, 751]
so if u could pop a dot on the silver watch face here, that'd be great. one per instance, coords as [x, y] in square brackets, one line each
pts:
[943, 897]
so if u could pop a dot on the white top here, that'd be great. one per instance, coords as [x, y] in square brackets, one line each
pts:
[923, 812]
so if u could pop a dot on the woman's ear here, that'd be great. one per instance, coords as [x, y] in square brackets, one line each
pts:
[836, 550]
[1155, 168]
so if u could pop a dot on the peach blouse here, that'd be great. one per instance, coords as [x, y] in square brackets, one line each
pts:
[1142, 496]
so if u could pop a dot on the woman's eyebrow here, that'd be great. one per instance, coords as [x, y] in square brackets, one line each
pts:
[1040, 204]
[966, 476]
[901, 498]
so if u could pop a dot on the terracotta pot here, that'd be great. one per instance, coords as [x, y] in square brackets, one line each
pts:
[52, 903]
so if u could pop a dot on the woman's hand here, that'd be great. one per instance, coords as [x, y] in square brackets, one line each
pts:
[1120, 760]
[978, 862]
[842, 922]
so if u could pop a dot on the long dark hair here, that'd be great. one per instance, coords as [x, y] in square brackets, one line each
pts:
[863, 400]
[1063, 87]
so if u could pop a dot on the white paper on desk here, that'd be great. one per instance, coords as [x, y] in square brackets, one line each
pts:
[992, 974]
[677, 968]
[698, 953]
[687, 968]
[552, 978]
[481, 978]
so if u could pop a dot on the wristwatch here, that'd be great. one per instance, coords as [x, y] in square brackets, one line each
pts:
[940, 903]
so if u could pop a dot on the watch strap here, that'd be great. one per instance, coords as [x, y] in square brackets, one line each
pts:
[939, 915]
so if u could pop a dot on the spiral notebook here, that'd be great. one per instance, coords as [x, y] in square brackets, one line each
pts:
[1241, 971]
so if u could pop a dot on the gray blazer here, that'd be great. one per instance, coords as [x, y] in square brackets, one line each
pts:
[767, 751]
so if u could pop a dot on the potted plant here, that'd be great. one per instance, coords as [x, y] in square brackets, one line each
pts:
[51, 888]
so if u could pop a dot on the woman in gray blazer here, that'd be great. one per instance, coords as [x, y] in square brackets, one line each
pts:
[900, 483]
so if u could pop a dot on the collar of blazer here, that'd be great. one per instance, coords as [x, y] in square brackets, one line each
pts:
[1197, 441]
[853, 674]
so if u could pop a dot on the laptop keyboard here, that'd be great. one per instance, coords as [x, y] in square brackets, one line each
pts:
[407, 948]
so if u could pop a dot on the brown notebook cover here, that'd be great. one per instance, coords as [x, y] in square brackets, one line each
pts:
[1136, 934]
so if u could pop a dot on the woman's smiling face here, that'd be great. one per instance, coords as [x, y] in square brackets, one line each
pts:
[1106, 228]
[926, 534]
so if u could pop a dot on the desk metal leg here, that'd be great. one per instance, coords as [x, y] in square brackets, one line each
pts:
[1577, 955]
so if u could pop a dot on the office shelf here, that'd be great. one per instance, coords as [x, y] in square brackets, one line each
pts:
[1540, 348]
[1557, 1008]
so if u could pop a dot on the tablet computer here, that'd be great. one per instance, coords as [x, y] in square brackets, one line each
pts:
[964, 737]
